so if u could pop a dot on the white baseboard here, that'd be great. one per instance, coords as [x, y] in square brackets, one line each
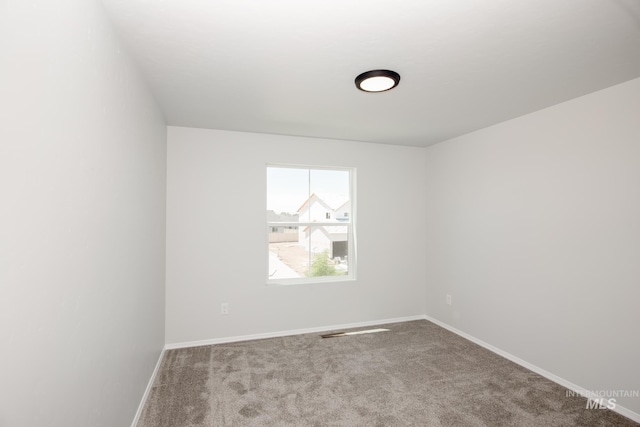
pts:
[148, 389]
[290, 332]
[556, 379]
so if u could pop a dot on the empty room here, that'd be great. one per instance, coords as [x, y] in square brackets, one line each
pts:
[319, 213]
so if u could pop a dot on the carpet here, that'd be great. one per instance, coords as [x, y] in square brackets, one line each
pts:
[414, 374]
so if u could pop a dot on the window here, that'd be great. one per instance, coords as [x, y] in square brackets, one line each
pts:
[315, 208]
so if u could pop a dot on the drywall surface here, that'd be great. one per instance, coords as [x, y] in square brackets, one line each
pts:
[217, 242]
[533, 228]
[82, 194]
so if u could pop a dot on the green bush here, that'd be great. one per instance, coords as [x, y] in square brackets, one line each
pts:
[320, 265]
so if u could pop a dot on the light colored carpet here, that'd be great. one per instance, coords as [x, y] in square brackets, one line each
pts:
[415, 374]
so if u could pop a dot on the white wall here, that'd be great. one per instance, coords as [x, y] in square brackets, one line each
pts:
[216, 241]
[82, 194]
[533, 226]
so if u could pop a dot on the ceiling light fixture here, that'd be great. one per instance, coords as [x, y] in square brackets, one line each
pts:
[377, 80]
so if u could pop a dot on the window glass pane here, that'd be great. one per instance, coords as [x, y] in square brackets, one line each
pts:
[287, 191]
[331, 187]
[288, 260]
[327, 249]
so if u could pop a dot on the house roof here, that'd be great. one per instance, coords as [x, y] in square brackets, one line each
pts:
[330, 201]
[272, 216]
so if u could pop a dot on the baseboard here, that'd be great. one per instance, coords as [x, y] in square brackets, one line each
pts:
[289, 332]
[148, 389]
[556, 379]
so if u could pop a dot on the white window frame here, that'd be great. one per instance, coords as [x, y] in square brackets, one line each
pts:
[351, 230]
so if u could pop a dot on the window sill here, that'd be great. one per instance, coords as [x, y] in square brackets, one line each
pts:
[310, 281]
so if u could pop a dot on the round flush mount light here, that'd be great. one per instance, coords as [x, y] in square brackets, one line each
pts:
[377, 80]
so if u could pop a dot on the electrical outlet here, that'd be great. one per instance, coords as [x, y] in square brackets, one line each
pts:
[448, 299]
[224, 308]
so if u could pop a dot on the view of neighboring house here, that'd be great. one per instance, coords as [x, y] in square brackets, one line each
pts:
[332, 238]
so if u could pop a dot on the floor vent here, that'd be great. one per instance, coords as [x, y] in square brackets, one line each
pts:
[344, 334]
[333, 335]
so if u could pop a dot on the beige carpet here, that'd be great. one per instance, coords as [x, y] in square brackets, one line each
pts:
[415, 374]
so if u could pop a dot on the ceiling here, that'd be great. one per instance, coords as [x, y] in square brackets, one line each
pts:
[288, 66]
